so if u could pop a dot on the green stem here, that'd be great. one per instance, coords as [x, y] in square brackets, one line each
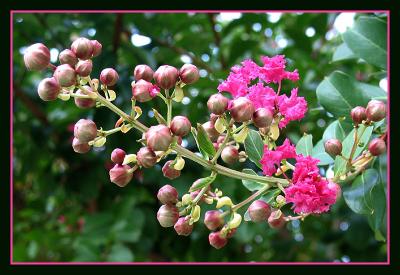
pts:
[251, 198]
[109, 132]
[221, 147]
[169, 111]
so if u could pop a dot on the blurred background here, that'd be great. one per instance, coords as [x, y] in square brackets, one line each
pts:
[66, 209]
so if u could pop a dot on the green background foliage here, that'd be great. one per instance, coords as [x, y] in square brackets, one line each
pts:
[65, 208]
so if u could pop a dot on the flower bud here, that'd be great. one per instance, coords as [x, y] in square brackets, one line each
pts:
[82, 48]
[276, 219]
[221, 139]
[189, 73]
[167, 215]
[262, 117]
[194, 194]
[79, 146]
[37, 57]
[146, 157]
[213, 219]
[84, 103]
[376, 110]
[68, 57]
[259, 211]
[217, 240]
[217, 104]
[167, 194]
[182, 226]
[109, 76]
[118, 156]
[230, 154]
[85, 130]
[335, 187]
[377, 147]
[65, 75]
[141, 91]
[49, 89]
[241, 109]
[216, 145]
[333, 147]
[84, 67]
[180, 126]
[97, 47]
[158, 137]
[166, 77]
[170, 172]
[358, 114]
[143, 72]
[211, 131]
[120, 175]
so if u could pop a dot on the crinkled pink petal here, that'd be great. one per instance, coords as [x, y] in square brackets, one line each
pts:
[274, 70]
[272, 159]
[291, 108]
[262, 96]
[235, 85]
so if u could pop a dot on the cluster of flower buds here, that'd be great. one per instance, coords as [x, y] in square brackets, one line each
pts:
[260, 211]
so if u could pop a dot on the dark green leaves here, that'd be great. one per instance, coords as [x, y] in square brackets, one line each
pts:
[304, 146]
[203, 182]
[342, 53]
[203, 142]
[251, 185]
[254, 147]
[367, 39]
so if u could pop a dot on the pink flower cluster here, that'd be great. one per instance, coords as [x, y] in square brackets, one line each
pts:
[239, 83]
[272, 159]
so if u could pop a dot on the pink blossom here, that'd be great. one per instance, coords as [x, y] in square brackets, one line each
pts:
[262, 96]
[235, 85]
[154, 91]
[291, 108]
[306, 167]
[271, 160]
[274, 70]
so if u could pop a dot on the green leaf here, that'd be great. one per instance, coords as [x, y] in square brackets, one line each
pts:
[339, 93]
[204, 141]
[342, 52]
[367, 39]
[336, 130]
[254, 147]
[377, 219]
[160, 119]
[200, 183]
[318, 152]
[358, 195]
[120, 253]
[203, 153]
[304, 146]
[340, 163]
[249, 184]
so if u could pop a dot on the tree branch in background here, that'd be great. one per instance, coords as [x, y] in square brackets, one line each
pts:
[36, 111]
[217, 38]
[117, 32]
[46, 26]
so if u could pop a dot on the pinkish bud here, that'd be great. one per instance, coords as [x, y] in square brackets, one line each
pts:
[68, 57]
[142, 90]
[376, 110]
[216, 145]
[84, 67]
[189, 73]
[180, 126]
[65, 75]
[170, 172]
[259, 211]
[333, 147]
[120, 175]
[158, 137]
[194, 194]
[97, 47]
[335, 187]
[377, 147]
[85, 130]
[82, 48]
[167, 194]
[166, 77]
[167, 215]
[49, 89]
[358, 114]
[109, 77]
[221, 139]
[241, 109]
[79, 146]
[179, 140]
[217, 240]
[276, 219]
[143, 72]
[146, 157]
[84, 103]
[182, 226]
[217, 104]
[262, 118]
[230, 154]
[213, 219]
[37, 57]
[118, 156]
[211, 131]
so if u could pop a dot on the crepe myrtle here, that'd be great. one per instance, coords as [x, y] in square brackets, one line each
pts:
[247, 118]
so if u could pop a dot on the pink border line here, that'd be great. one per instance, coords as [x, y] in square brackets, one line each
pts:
[12, 12]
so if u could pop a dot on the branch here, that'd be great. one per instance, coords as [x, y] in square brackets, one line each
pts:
[36, 111]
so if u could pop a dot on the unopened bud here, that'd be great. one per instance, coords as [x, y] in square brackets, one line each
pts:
[217, 240]
[49, 89]
[158, 137]
[79, 146]
[241, 109]
[358, 114]
[84, 103]
[143, 72]
[167, 194]
[217, 104]
[120, 175]
[276, 219]
[82, 48]
[211, 131]
[142, 90]
[118, 156]
[262, 118]
[85, 130]
[180, 126]
[259, 211]
[230, 154]
[109, 77]
[376, 110]
[166, 77]
[84, 67]
[377, 147]
[167, 215]
[65, 75]
[333, 147]
[182, 226]
[97, 47]
[213, 219]
[146, 157]
[189, 73]
[169, 171]
[68, 57]
[37, 57]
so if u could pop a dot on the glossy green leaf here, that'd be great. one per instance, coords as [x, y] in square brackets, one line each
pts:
[254, 147]
[342, 52]
[367, 39]
[249, 184]
[377, 219]
[203, 153]
[120, 253]
[336, 129]
[318, 152]
[204, 141]
[304, 146]
[200, 183]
